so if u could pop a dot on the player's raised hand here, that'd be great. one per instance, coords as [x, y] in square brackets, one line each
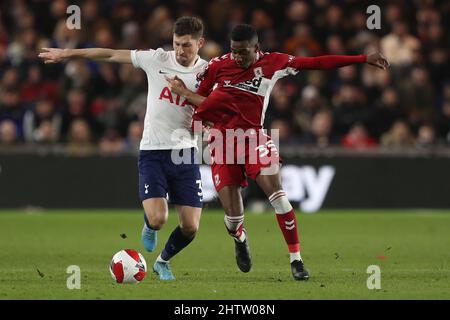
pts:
[176, 85]
[52, 55]
[378, 60]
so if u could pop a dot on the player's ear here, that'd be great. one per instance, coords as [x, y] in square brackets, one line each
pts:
[201, 42]
[257, 47]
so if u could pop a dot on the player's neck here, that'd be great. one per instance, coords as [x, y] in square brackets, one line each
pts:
[191, 63]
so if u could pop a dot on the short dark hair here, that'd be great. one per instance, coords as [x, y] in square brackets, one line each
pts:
[188, 26]
[244, 32]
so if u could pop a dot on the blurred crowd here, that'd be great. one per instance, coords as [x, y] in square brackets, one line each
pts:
[87, 106]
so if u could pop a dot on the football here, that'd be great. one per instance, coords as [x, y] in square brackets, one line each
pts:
[128, 266]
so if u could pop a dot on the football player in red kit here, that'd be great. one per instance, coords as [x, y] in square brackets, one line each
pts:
[233, 94]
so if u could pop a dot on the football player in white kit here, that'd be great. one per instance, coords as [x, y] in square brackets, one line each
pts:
[166, 112]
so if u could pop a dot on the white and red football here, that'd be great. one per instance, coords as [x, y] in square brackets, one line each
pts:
[128, 266]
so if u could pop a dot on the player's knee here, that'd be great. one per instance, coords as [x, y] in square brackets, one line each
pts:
[232, 211]
[157, 221]
[189, 229]
[280, 202]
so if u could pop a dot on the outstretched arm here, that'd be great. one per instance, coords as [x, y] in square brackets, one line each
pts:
[336, 61]
[55, 55]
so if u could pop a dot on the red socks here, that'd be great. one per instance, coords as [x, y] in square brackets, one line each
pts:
[288, 225]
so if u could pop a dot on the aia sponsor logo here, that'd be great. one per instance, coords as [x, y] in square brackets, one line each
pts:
[173, 98]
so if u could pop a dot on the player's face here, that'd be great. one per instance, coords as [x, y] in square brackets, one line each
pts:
[244, 53]
[186, 49]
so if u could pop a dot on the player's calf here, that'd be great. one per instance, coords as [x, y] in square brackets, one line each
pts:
[287, 222]
[177, 241]
[149, 236]
[235, 227]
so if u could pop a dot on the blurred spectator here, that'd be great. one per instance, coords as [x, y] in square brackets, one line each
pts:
[11, 107]
[348, 75]
[210, 50]
[8, 133]
[133, 139]
[418, 96]
[263, 23]
[78, 75]
[350, 107]
[104, 38]
[79, 139]
[90, 12]
[134, 83]
[66, 38]
[111, 142]
[75, 108]
[282, 129]
[36, 86]
[112, 98]
[439, 66]
[107, 80]
[426, 137]
[309, 104]
[42, 123]
[109, 115]
[321, 134]
[393, 13]
[399, 136]
[335, 45]
[358, 138]
[443, 122]
[158, 22]
[10, 79]
[302, 42]
[399, 46]
[386, 111]
[280, 104]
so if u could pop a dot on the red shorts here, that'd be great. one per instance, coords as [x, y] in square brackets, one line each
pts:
[231, 164]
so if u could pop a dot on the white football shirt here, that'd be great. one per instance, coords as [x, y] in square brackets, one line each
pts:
[167, 112]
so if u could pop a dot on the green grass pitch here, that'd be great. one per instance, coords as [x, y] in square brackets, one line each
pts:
[412, 249]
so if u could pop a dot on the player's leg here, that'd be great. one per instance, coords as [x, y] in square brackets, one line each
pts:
[185, 192]
[231, 200]
[155, 216]
[270, 183]
[232, 204]
[152, 192]
[180, 237]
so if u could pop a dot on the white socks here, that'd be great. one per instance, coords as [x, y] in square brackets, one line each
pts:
[280, 202]
[235, 226]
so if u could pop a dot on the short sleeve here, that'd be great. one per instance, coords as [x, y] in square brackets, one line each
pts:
[284, 63]
[144, 58]
[284, 60]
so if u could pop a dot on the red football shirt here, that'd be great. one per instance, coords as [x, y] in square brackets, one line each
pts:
[238, 98]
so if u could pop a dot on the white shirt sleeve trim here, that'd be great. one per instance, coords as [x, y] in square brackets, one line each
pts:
[134, 59]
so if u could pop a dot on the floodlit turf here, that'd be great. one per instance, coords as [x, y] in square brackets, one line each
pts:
[410, 247]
